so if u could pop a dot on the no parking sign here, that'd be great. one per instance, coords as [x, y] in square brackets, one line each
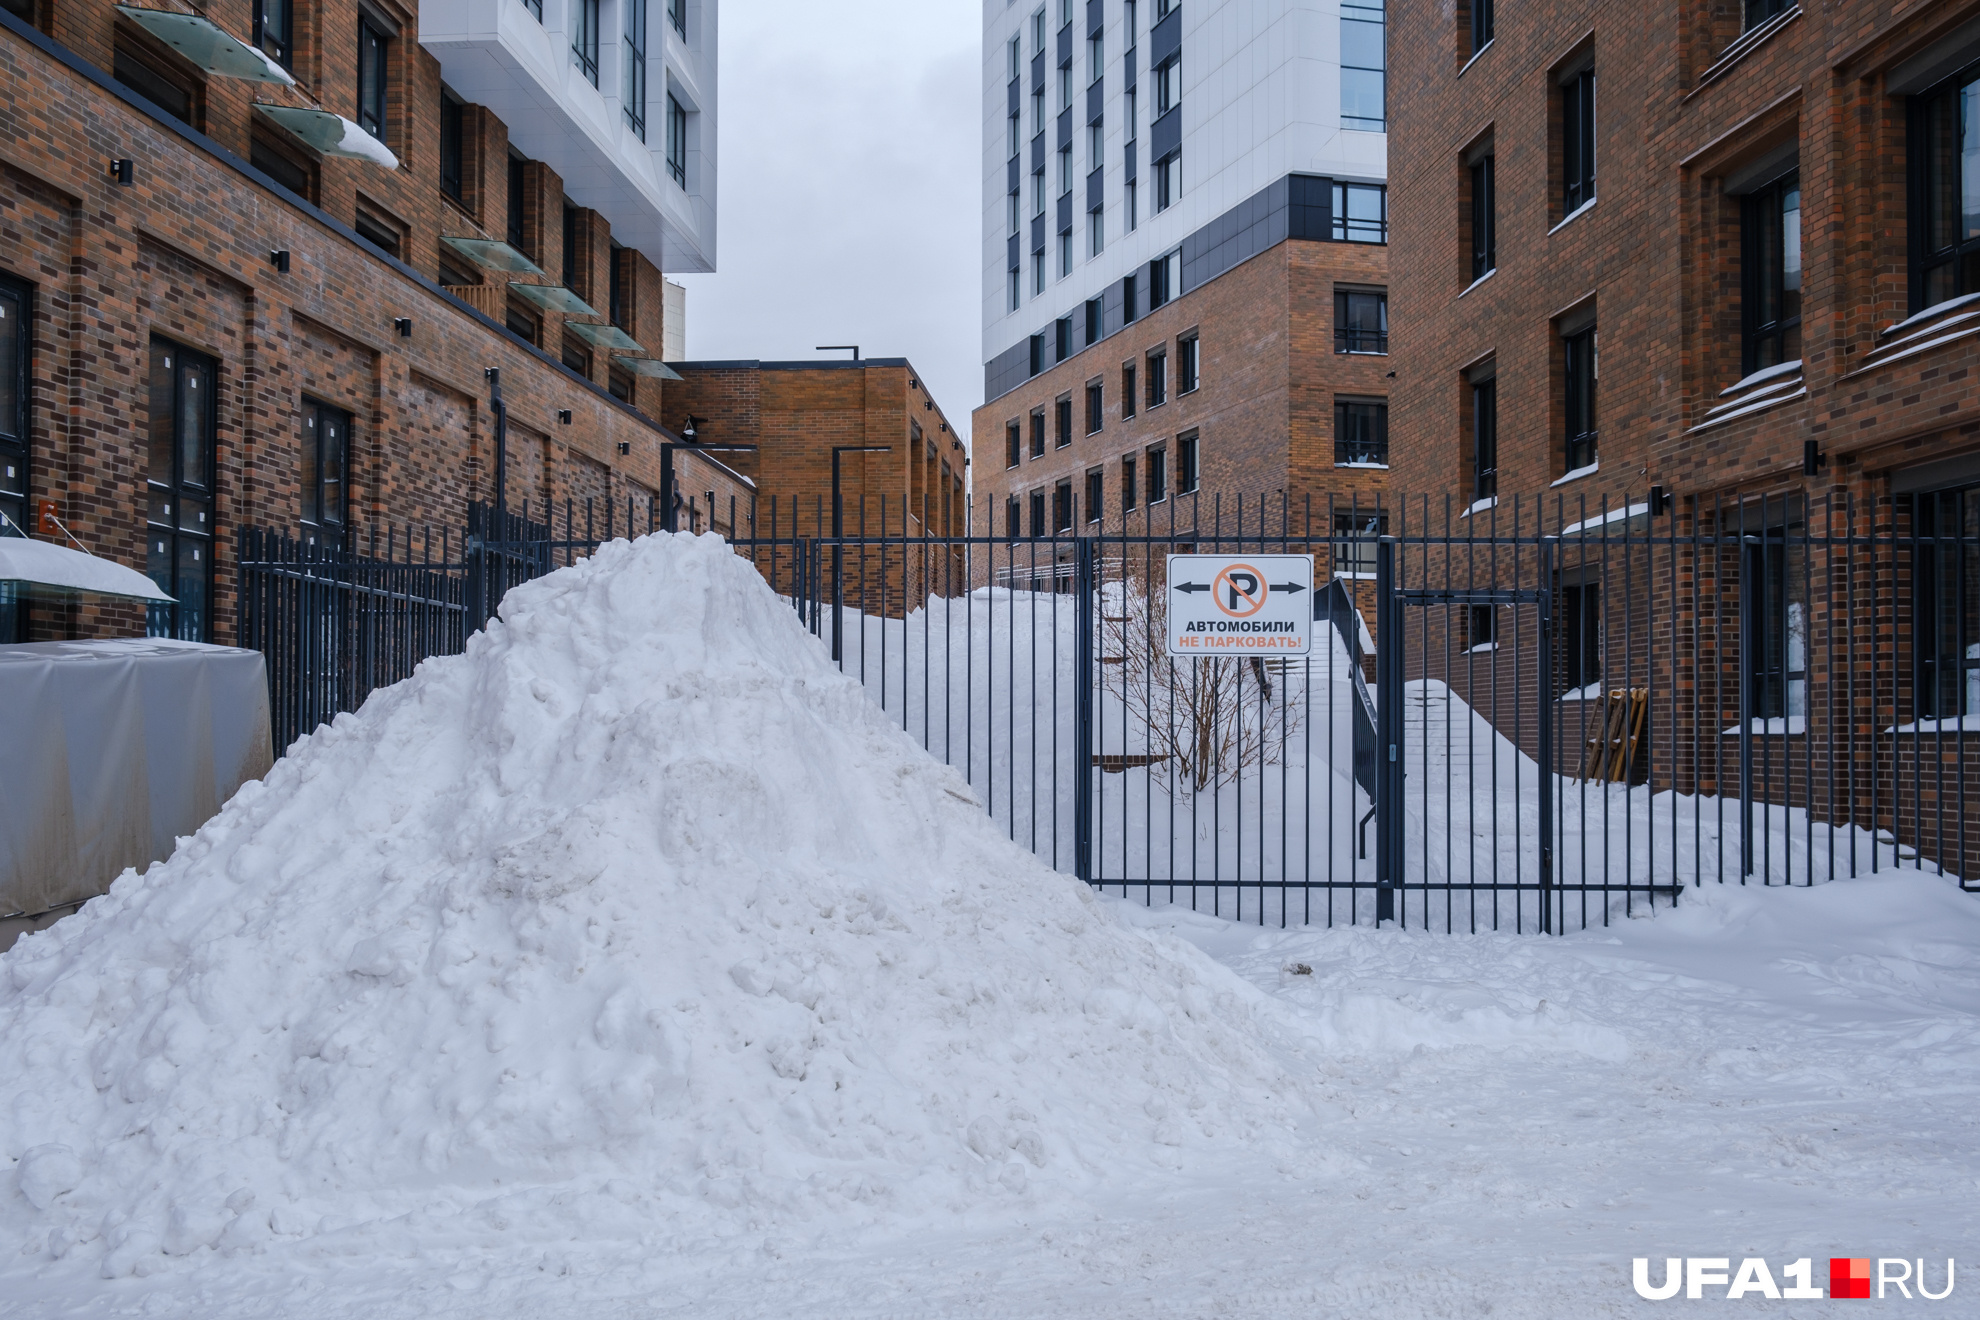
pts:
[1240, 605]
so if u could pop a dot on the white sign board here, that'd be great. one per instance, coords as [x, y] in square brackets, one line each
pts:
[1240, 605]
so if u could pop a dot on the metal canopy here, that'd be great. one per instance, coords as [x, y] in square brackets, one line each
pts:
[208, 46]
[554, 298]
[645, 366]
[494, 256]
[605, 336]
[329, 134]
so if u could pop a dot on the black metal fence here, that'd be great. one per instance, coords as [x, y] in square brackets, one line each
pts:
[1514, 716]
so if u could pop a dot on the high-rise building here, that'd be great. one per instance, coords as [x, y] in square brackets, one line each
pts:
[1184, 271]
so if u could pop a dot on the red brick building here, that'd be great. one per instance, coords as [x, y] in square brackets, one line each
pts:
[217, 313]
[1730, 252]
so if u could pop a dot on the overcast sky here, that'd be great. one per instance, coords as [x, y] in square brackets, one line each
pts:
[849, 196]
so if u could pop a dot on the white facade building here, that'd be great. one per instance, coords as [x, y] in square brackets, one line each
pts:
[566, 77]
[1126, 143]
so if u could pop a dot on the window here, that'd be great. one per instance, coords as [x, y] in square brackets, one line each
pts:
[452, 143]
[577, 355]
[535, 8]
[325, 492]
[1187, 360]
[584, 38]
[1157, 463]
[1361, 213]
[14, 395]
[1096, 407]
[1364, 92]
[1946, 603]
[619, 384]
[523, 323]
[1096, 232]
[1484, 217]
[1062, 419]
[1038, 513]
[1770, 248]
[676, 141]
[1014, 52]
[1096, 495]
[1092, 320]
[1128, 394]
[1038, 433]
[283, 163]
[1186, 464]
[1777, 625]
[1479, 626]
[1361, 433]
[1095, 58]
[1168, 86]
[1578, 397]
[633, 95]
[1013, 517]
[1481, 25]
[23, 10]
[1158, 379]
[1168, 181]
[1580, 628]
[1013, 444]
[179, 487]
[518, 199]
[1162, 279]
[620, 307]
[572, 224]
[1355, 533]
[1577, 142]
[677, 15]
[1361, 321]
[1130, 491]
[371, 80]
[275, 30]
[1485, 440]
[384, 233]
[1065, 254]
[169, 90]
[1945, 181]
[1759, 11]
[1062, 508]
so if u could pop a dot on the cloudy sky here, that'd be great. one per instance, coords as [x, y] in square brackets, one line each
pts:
[849, 190]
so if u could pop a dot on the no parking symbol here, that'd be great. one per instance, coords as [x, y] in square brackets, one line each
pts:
[1240, 604]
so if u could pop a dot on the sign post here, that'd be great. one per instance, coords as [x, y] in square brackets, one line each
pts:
[1240, 605]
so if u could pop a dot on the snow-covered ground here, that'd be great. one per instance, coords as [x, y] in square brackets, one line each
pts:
[522, 992]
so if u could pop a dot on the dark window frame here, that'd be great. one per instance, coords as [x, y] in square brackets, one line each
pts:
[1361, 431]
[1155, 474]
[1480, 22]
[1485, 439]
[1484, 216]
[1096, 494]
[1130, 487]
[677, 15]
[1948, 267]
[275, 30]
[1580, 381]
[1189, 363]
[1038, 433]
[1756, 12]
[1770, 303]
[374, 72]
[326, 435]
[180, 496]
[1582, 632]
[1157, 377]
[1013, 444]
[1130, 384]
[1348, 227]
[1062, 415]
[1351, 552]
[1353, 11]
[586, 17]
[453, 146]
[1945, 612]
[1775, 620]
[517, 233]
[632, 98]
[1351, 331]
[1096, 407]
[1578, 138]
[1189, 463]
[676, 141]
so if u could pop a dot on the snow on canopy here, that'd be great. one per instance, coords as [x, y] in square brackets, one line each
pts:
[636, 909]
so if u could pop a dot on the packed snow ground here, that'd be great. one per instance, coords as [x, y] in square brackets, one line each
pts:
[514, 995]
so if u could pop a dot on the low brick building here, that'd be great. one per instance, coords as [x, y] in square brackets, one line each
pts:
[1717, 252]
[217, 312]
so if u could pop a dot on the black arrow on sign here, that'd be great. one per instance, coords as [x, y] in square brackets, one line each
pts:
[1192, 586]
[1287, 586]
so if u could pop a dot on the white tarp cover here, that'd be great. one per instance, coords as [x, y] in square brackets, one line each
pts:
[115, 749]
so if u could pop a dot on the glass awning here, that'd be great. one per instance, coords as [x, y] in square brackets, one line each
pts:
[208, 46]
[330, 135]
[605, 336]
[554, 298]
[644, 366]
[494, 256]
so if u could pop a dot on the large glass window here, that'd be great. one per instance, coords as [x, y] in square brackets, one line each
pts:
[275, 30]
[452, 143]
[1946, 603]
[1777, 625]
[14, 308]
[1361, 432]
[676, 141]
[1361, 213]
[1364, 84]
[1945, 181]
[325, 489]
[633, 96]
[179, 485]
[371, 79]
[1485, 439]
[1484, 217]
[1578, 397]
[1361, 321]
[1770, 241]
[1580, 630]
[584, 38]
[1355, 534]
[1577, 142]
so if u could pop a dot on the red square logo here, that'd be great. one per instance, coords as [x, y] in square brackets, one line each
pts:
[1849, 1277]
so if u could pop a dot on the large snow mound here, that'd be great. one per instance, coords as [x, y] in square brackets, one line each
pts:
[636, 914]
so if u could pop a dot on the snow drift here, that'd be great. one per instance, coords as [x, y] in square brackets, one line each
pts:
[636, 914]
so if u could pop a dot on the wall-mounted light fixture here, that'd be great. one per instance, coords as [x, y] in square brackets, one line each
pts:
[123, 172]
[1813, 460]
[280, 259]
[563, 417]
[403, 324]
[1660, 500]
[913, 384]
[625, 447]
[690, 428]
[928, 405]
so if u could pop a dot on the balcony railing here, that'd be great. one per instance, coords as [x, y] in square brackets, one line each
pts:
[1354, 339]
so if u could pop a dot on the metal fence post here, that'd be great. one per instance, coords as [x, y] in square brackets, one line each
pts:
[1544, 688]
[1083, 677]
[1388, 750]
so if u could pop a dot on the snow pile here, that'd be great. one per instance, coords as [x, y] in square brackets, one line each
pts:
[637, 918]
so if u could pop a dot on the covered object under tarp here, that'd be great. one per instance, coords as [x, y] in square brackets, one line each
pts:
[114, 750]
